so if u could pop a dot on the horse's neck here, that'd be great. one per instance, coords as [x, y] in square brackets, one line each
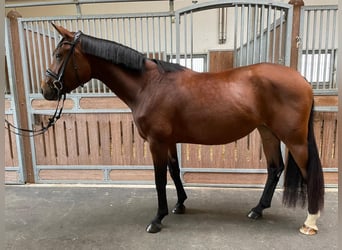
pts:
[125, 83]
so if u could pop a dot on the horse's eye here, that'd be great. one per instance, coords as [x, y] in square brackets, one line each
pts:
[58, 56]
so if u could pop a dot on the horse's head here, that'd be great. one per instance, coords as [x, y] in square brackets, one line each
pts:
[69, 68]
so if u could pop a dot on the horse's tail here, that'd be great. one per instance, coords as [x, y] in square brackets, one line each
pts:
[295, 187]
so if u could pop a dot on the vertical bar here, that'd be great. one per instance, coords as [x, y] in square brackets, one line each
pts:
[44, 48]
[191, 41]
[261, 32]
[281, 37]
[333, 46]
[136, 33]
[171, 34]
[313, 50]
[13, 92]
[274, 33]
[248, 33]
[288, 36]
[93, 80]
[165, 39]
[255, 32]
[130, 32]
[147, 37]
[142, 34]
[308, 15]
[35, 60]
[185, 40]
[124, 31]
[242, 25]
[90, 82]
[327, 34]
[235, 35]
[28, 40]
[318, 69]
[159, 39]
[268, 31]
[153, 38]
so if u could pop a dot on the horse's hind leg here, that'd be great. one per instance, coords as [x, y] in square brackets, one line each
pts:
[275, 166]
[175, 174]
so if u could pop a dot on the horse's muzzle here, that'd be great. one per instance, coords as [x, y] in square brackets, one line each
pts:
[48, 92]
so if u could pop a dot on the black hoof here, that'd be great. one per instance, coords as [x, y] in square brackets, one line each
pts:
[153, 228]
[254, 215]
[179, 209]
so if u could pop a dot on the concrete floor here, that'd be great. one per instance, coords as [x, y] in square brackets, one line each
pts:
[114, 217]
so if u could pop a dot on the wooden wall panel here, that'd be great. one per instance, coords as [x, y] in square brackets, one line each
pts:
[225, 178]
[11, 151]
[220, 60]
[112, 139]
[71, 174]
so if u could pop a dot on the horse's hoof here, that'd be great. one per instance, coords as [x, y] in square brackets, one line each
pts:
[179, 209]
[308, 230]
[153, 228]
[254, 215]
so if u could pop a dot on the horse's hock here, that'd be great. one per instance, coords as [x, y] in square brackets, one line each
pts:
[96, 140]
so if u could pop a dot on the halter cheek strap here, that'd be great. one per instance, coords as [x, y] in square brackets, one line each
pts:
[58, 78]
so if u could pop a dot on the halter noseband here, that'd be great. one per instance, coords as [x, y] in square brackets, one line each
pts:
[58, 78]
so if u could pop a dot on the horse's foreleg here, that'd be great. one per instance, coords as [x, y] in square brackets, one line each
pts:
[275, 167]
[159, 155]
[175, 174]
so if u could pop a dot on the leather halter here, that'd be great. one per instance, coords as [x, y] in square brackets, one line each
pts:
[58, 78]
[58, 85]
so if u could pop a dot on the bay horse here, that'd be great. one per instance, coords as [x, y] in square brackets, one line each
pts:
[172, 104]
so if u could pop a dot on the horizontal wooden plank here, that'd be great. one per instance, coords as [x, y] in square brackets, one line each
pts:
[331, 178]
[225, 178]
[72, 174]
[7, 104]
[11, 177]
[40, 104]
[102, 103]
[132, 175]
[322, 100]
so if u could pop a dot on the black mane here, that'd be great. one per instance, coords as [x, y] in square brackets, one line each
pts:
[120, 54]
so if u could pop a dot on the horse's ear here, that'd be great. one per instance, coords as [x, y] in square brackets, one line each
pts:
[62, 31]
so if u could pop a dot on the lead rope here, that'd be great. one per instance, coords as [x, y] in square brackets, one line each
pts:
[33, 132]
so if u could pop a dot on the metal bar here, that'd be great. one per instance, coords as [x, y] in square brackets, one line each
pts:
[307, 41]
[281, 36]
[248, 33]
[312, 47]
[288, 36]
[27, 91]
[242, 25]
[255, 32]
[236, 34]
[147, 37]
[191, 41]
[261, 33]
[28, 40]
[319, 53]
[274, 34]
[185, 18]
[326, 42]
[69, 2]
[13, 97]
[333, 46]
[268, 33]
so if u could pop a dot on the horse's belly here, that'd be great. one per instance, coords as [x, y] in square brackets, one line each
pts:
[209, 133]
